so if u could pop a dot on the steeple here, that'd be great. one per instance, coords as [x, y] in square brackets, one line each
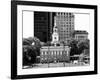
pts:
[55, 30]
[55, 36]
[54, 21]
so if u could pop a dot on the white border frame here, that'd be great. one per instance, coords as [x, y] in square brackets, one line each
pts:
[21, 71]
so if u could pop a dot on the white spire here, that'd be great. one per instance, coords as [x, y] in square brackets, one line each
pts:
[55, 36]
[54, 21]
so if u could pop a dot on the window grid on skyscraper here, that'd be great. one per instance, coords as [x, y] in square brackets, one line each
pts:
[65, 24]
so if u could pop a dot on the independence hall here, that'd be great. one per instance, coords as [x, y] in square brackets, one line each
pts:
[56, 28]
[54, 54]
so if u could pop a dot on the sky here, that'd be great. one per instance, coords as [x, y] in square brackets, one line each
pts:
[82, 22]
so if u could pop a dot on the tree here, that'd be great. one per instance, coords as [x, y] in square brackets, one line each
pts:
[42, 43]
[26, 42]
[48, 43]
[37, 44]
[74, 48]
[30, 40]
[29, 55]
[30, 51]
[82, 45]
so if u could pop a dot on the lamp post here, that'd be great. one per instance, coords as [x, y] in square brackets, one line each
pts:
[64, 47]
[48, 54]
[64, 53]
[33, 44]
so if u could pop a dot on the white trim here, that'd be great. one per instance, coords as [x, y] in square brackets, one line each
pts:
[52, 70]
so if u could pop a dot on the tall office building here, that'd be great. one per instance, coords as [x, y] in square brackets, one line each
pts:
[65, 24]
[43, 25]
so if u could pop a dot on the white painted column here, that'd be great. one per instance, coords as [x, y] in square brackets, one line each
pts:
[41, 52]
[60, 52]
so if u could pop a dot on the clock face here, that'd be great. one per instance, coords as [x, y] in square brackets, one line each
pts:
[55, 38]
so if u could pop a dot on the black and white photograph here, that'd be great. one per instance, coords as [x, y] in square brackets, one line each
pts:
[55, 39]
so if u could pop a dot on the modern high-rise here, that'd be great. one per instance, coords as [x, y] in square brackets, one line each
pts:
[65, 25]
[42, 25]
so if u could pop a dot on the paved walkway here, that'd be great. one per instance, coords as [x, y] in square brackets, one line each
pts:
[46, 65]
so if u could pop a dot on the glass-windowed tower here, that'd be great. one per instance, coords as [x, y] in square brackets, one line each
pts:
[42, 25]
[65, 24]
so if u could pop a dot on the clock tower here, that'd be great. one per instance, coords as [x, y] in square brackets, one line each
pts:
[55, 35]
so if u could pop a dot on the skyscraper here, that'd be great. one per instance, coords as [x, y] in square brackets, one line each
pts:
[42, 25]
[65, 24]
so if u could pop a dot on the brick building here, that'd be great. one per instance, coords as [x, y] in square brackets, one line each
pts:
[80, 35]
[54, 54]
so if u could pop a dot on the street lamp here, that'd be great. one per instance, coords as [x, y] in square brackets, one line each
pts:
[64, 53]
[48, 54]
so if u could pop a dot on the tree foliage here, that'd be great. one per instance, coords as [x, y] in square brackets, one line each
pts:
[82, 45]
[26, 42]
[30, 52]
[77, 47]
[74, 49]
[29, 55]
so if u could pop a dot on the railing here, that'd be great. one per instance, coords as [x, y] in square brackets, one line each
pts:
[80, 58]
